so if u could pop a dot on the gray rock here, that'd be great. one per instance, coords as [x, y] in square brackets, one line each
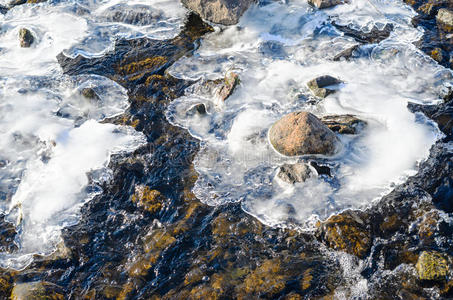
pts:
[343, 124]
[26, 38]
[445, 19]
[226, 12]
[16, 2]
[324, 3]
[346, 54]
[292, 173]
[322, 86]
[301, 133]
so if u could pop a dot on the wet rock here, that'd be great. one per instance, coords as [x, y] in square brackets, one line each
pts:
[325, 3]
[343, 124]
[26, 38]
[346, 54]
[150, 200]
[301, 133]
[374, 36]
[437, 54]
[347, 232]
[320, 86]
[432, 266]
[227, 86]
[445, 19]
[36, 291]
[199, 109]
[225, 12]
[292, 173]
[321, 169]
[89, 93]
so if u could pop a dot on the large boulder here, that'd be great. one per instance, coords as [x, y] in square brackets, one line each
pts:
[445, 19]
[225, 12]
[301, 133]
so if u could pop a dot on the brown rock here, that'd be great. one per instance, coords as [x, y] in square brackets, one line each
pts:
[445, 19]
[320, 86]
[347, 232]
[301, 133]
[324, 3]
[226, 12]
[343, 124]
[26, 38]
[89, 93]
[293, 173]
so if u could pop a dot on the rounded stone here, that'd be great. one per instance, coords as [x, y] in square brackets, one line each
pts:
[302, 133]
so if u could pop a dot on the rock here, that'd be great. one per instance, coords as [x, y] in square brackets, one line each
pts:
[3, 9]
[343, 124]
[16, 2]
[293, 173]
[139, 15]
[301, 133]
[225, 12]
[347, 232]
[26, 38]
[229, 83]
[319, 86]
[374, 36]
[445, 19]
[89, 93]
[346, 54]
[199, 109]
[324, 3]
[149, 200]
[37, 290]
[437, 54]
[220, 88]
[320, 169]
[432, 265]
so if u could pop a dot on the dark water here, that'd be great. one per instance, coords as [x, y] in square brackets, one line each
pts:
[169, 245]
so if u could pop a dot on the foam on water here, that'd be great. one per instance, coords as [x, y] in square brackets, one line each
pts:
[276, 49]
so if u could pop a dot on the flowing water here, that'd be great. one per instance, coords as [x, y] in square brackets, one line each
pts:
[75, 169]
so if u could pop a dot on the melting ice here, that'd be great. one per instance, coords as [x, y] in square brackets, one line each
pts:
[277, 48]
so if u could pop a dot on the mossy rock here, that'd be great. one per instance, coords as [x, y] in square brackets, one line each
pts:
[38, 290]
[432, 266]
[347, 232]
[148, 199]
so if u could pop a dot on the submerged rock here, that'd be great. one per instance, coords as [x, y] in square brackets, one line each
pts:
[432, 265]
[37, 290]
[343, 124]
[292, 173]
[347, 232]
[320, 86]
[301, 133]
[89, 93]
[197, 109]
[445, 19]
[26, 38]
[325, 3]
[346, 54]
[225, 12]
[221, 88]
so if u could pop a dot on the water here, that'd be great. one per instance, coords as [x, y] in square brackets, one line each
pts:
[276, 49]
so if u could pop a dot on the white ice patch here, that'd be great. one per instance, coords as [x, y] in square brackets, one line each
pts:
[277, 49]
[89, 28]
[50, 139]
